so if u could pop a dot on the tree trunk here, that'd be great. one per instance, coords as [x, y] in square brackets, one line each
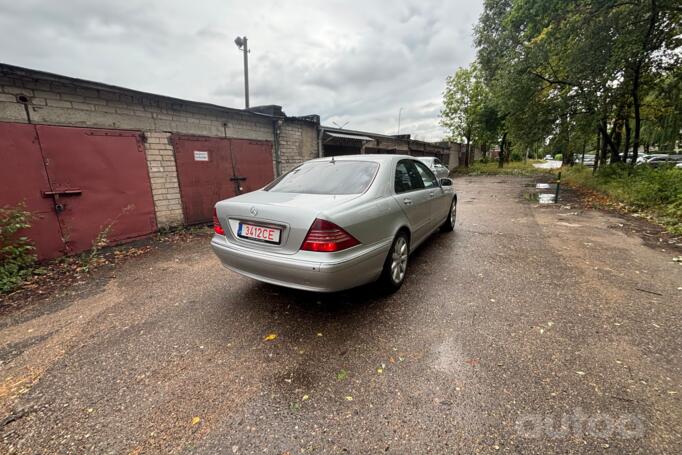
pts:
[604, 143]
[638, 119]
[617, 135]
[627, 141]
[636, 79]
[608, 143]
[597, 152]
[466, 155]
[500, 158]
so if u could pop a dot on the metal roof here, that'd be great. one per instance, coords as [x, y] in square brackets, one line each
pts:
[349, 136]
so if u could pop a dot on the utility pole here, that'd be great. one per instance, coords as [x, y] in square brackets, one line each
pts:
[400, 111]
[243, 44]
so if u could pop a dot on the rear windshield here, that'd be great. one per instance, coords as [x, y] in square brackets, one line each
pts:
[327, 177]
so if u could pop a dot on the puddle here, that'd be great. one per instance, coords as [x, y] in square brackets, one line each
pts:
[542, 186]
[546, 198]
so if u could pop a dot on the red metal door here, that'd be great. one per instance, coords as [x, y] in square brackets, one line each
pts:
[252, 162]
[101, 180]
[211, 169]
[204, 167]
[23, 179]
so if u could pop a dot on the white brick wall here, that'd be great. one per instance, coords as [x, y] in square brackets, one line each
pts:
[297, 143]
[164, 179]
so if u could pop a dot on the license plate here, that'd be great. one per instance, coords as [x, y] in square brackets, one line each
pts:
[262, 233]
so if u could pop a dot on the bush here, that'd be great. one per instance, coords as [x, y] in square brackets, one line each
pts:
[516, 156]
[17, 254]
[559, 157]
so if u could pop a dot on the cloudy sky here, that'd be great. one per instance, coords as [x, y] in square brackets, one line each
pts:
[356, 61]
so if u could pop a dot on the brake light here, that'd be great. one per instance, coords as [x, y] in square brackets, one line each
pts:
[216, 223]
[327, 237]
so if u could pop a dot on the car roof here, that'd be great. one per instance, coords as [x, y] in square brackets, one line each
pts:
[381, 158]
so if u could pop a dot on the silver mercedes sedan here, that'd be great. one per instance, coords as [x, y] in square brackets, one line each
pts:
[335, 223]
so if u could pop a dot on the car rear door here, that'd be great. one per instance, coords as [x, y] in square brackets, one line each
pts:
[439, 200]
[413, 198]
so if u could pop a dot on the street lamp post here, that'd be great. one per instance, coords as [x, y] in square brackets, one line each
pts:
[242, 43]
[400, 111]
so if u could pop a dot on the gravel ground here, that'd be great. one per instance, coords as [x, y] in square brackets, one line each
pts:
[529, 329]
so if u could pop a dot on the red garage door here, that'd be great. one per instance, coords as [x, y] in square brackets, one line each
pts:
[211, 169]
[86, 184]
[23, 178]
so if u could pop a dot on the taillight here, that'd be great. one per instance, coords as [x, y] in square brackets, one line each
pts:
[327, 237]
[216, 223]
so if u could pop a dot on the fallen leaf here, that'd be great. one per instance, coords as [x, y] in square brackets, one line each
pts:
[341, 375]
[305, 397]
[473, 362]
[581, 373]
[270, 337]
[319, 334]
[380, 370]
[196, 420]
[349, 398]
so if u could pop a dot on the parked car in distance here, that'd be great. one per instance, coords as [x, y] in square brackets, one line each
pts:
[644, 158]
[667, 160]
[433, 163]
[335, 223]
[548, 157]
[587, 161]
[678, 165]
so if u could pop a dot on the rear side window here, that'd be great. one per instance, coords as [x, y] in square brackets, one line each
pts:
[426, 175]
[327, 177]
[407, 177]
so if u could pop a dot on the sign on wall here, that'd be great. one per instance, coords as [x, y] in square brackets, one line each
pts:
[200, 155]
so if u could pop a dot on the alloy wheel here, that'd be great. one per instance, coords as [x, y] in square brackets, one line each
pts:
[399, 260]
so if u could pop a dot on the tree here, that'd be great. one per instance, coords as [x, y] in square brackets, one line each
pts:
[553, 67]
[462, 102]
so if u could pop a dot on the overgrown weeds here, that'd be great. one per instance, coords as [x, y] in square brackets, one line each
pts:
[654, 191]
[17, 253]
[520, 168]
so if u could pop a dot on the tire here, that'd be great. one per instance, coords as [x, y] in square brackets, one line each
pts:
[395, 266]
[449, 224]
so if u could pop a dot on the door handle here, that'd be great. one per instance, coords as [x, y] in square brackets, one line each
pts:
[432, 193]
[407, 201]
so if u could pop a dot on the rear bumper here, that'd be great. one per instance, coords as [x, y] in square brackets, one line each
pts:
[331, 273]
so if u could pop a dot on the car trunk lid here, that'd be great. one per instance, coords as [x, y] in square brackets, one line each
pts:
[291, 213]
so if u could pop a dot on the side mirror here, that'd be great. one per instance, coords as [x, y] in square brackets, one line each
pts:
[445, 182]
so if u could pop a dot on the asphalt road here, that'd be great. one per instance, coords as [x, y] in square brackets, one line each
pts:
[522, 331]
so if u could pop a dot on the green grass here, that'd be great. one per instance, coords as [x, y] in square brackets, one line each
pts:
[654, 191]
[491, 168]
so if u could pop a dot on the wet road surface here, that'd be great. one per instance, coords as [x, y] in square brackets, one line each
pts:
[522, 331]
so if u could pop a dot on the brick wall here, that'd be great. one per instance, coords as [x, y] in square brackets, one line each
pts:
[60, 103]
[297, 143]
[164, 179]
